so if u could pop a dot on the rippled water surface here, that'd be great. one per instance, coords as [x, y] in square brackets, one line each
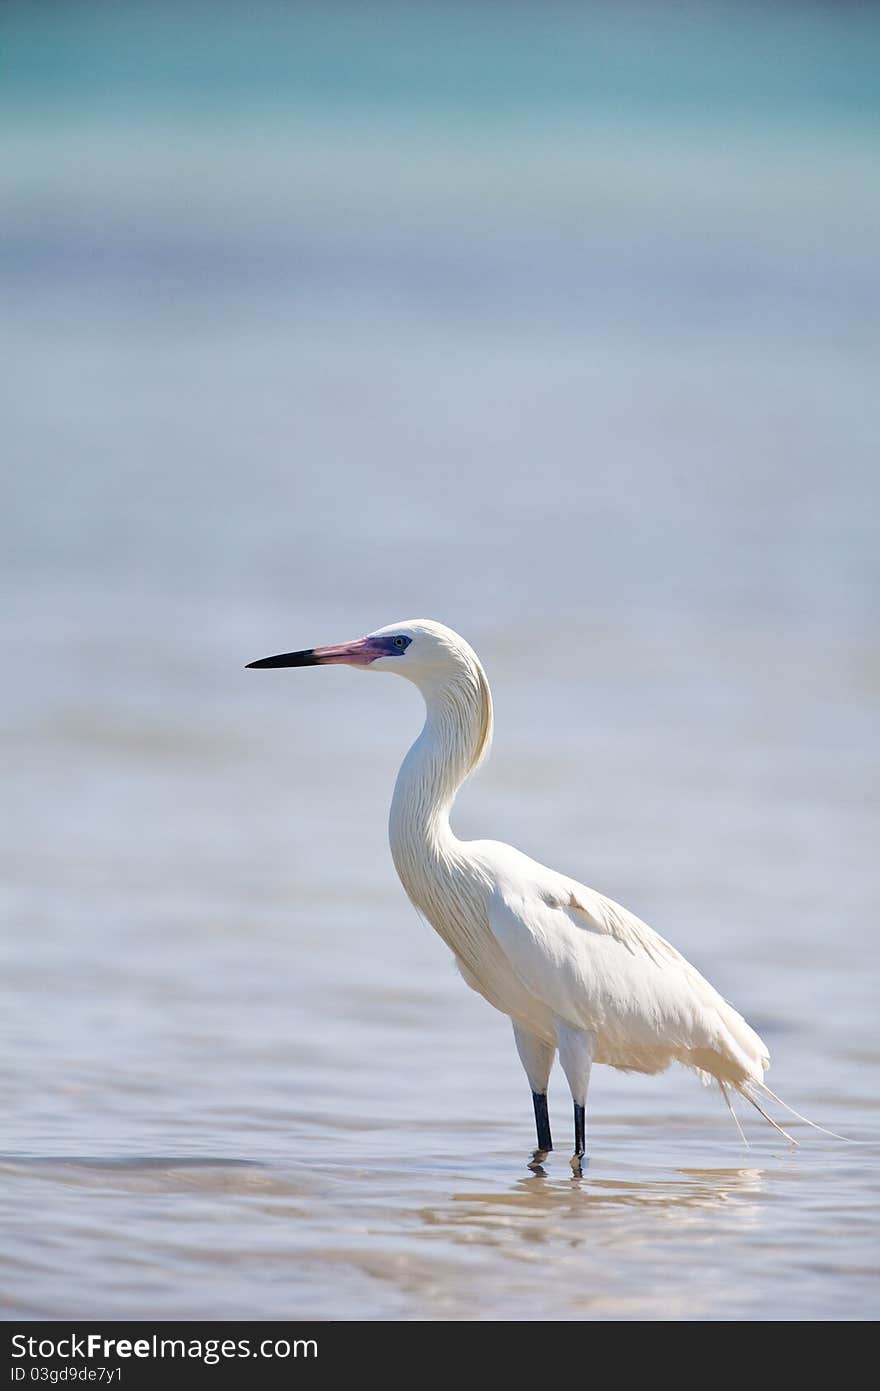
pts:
[600, 398]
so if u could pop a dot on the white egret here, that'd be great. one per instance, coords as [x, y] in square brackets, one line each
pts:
[576, 973]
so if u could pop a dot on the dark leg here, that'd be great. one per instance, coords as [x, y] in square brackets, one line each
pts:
[580, 1133]
[542, 1122]
[576, 1056]
[536, 1055]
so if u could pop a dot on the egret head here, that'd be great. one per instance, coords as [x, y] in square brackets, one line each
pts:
[417, 648]
[444, 667]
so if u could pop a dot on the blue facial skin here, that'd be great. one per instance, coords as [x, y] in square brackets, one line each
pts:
[392, 645]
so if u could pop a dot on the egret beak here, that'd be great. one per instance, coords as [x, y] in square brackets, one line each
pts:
[356, 654]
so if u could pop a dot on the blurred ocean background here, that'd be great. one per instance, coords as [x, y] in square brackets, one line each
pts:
[560, 324]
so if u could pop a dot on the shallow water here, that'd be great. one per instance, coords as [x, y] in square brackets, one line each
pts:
[600, 400]
[395, 1230]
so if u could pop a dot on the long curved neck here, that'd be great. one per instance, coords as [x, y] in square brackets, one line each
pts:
[455, 734]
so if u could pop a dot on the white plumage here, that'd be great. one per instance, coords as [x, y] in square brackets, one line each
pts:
[576, 973]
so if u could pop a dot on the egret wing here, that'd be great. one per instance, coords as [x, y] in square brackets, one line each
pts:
[598, 967]
[577, 951]
[595, 913]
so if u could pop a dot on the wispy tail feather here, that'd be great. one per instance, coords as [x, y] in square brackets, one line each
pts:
[792, 1112]
[760, 1109]
[726, 1094]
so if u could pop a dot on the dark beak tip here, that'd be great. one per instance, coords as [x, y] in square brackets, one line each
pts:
[286, 659]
